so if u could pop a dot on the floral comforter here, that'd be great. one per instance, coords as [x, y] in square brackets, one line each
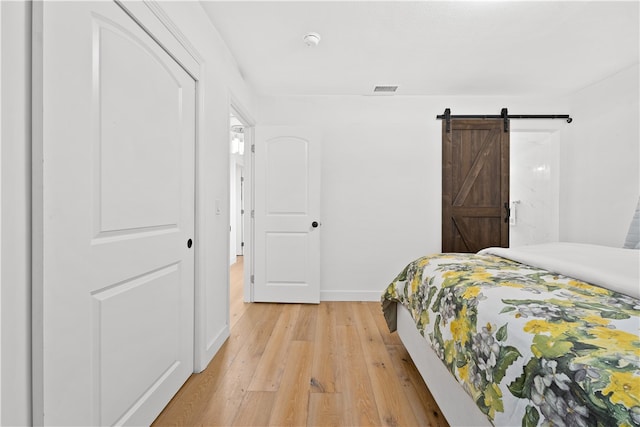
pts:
[529, 346]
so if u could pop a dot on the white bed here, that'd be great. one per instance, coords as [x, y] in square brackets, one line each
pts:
[612, 268]
[456, 405]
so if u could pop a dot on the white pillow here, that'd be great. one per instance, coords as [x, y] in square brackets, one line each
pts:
[633, 235]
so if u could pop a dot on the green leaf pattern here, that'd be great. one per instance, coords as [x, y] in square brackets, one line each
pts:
[529, 346]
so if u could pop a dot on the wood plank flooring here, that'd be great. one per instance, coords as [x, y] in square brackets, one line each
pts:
[237, 306]
[332, 364]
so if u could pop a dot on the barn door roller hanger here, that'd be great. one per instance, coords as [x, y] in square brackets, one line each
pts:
[504, 115]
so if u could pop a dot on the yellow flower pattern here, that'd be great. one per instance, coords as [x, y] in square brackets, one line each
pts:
[553, 329]
[624, 388]
[460, 327]
[566, 336]
[576, 284]
[614, 338]
[471, 292]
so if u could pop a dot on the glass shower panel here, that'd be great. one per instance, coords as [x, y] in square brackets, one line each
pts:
[534, 188]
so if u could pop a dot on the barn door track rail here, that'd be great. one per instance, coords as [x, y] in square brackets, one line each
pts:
[504, 115]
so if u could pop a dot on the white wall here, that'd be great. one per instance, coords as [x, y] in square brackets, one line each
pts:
[232, 209]
[600, 161]
[220, 80]
[235, 203]
[381, 178]
[15, 344]
[381, 183]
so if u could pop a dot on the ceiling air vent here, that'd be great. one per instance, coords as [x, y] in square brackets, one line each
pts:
[384, 90]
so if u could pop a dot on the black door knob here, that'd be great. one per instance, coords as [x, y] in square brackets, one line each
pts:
[314, 224]
[189, 243]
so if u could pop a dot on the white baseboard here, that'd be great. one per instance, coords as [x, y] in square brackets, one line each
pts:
[330, 295]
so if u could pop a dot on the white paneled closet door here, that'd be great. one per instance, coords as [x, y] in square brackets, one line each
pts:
[114, 140]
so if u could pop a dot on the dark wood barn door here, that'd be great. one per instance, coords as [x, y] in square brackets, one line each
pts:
[475, 185]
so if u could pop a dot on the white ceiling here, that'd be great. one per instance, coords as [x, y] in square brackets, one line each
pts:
[428, 47]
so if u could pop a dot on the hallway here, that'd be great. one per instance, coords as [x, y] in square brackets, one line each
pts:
[237, 306]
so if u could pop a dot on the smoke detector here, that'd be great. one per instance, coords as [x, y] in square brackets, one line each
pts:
[312, 39]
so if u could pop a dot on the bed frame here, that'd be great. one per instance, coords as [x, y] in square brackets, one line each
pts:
[456, 405]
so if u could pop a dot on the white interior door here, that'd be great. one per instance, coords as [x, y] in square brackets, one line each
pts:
[114, 198]
[287, 215]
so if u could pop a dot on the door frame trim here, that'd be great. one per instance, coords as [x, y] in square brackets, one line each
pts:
[244, 116]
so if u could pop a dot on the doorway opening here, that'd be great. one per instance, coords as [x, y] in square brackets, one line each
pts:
[237, 192]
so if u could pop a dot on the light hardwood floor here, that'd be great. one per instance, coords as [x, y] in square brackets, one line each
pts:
[237, 306]
[332, 364]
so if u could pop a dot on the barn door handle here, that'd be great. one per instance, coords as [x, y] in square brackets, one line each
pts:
[508, 212]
